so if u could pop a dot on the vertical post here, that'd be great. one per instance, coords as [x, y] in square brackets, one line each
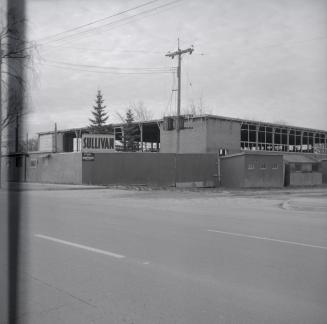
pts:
[257, 137]
[115, 138]
[179, 77]
[17, 133]
[288, 140]
[218, 169]
[301, 141]
[141, 131]
[76, 140]
[273, 138]
[123, 137]
[280, 139]
[179, 53]
[26, 142]
[55, 138]
[0, 115]
[248, 143]
[79, 140]
[16, 93]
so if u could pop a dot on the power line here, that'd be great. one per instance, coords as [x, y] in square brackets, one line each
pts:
[169, 104]
[99, 20]
[154, 69]
[91, 30]
[121, 22]
[289, 43]
[92, 49]
[104, 71]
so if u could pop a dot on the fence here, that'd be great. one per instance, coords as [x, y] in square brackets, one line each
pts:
[156, 169]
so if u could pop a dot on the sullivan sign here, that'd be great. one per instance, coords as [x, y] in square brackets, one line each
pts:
[98, 143]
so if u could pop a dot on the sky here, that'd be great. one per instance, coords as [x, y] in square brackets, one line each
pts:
[255, 59]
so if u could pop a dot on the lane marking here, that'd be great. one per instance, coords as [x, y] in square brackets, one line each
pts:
[269, 239]
[80, 246]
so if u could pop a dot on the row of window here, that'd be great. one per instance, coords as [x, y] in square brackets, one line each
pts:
[263, 166]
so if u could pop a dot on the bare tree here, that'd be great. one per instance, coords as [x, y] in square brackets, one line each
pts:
[29, 145]
[142, 113]
[10, 57]
[120, 117]
[197, 108]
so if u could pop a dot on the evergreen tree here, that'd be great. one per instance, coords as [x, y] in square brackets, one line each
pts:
[130, 132]
[99, 115]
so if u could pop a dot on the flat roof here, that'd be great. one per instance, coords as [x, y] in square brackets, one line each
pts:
[249, 152]
[204, 116]
[257, 122]
[296, 158]
[86, 128]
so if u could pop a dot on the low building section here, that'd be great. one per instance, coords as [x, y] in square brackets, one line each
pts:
[302, 170]
[252, 170]
[249, 169]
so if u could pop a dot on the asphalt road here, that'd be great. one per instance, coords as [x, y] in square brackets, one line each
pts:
[118, 256]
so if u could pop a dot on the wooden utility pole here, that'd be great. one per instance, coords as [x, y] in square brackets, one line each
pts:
[16, 93]
[179, 54]
[0, 114]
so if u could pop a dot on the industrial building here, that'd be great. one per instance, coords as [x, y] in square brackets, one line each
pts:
[204, 134]
[206, 151]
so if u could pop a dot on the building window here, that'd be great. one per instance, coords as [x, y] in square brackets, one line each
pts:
[263, 165]
[275, 166]
[250, 166]
[19, 161]
[168, 123]
[315, 168]
[222, 152]
[33, 163]
[297, 167]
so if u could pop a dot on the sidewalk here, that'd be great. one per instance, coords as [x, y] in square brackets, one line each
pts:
[27, 186]
[30, 186]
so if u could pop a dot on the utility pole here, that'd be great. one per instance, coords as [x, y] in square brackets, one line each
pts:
[0, 115]
[179, 54]
[17, 133]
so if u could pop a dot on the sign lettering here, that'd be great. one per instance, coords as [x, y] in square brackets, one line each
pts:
[98, 143]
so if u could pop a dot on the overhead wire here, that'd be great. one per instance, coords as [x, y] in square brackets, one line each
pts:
[111, 67]
[78, 35]
[173, 85]
[92, 49]
[106, 71]
[99, 20]
[288, 43]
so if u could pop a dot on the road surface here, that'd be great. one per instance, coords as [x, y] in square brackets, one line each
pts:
[123, 256]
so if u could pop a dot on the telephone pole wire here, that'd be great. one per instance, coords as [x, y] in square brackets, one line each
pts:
[179, 54]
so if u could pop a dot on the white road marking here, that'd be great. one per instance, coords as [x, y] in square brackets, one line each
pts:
[269, 239]
[80, 246]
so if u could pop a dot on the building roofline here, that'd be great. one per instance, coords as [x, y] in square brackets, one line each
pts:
[258, 122]
[243, 153]
[204, 116]
[153, 121]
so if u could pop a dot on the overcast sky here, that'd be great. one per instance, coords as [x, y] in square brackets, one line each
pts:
[254, 59]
